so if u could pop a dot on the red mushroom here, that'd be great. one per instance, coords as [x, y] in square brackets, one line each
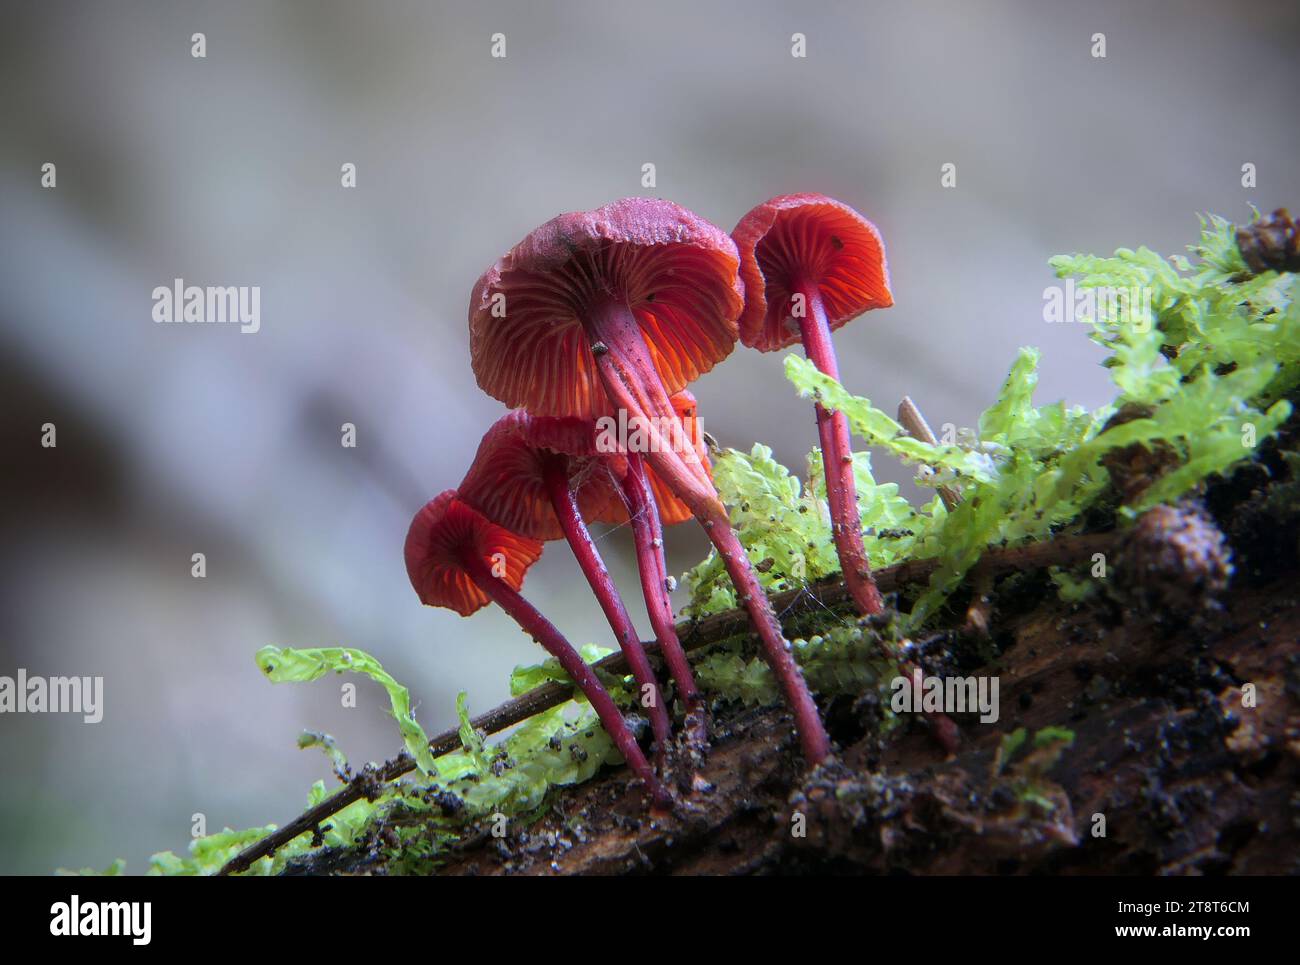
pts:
[456, 558]
[814, 250]
[613, 310]
[540, 477]
[810, 264]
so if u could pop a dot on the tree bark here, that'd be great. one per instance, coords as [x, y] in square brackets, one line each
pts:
[1188, 781]
[1171, 770]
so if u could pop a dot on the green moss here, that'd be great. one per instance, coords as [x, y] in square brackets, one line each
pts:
[843, 659]
[1071, 588]
[1021, 764]
[286, 665]
[783, 527]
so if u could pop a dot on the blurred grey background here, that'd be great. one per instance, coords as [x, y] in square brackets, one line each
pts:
[226, 171]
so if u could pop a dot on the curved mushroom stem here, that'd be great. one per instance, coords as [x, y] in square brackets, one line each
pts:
[632, 382]
[647, 534]
[593, 568]
[837, 459]
[544, 632]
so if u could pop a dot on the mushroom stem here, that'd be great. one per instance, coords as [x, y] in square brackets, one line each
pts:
[842, 491]
[544, 632]
[776, 649]
[567, 511]
[632, 382]
[837, 458]
[647, 534]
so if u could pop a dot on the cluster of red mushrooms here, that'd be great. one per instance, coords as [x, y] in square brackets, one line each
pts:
[615, 312]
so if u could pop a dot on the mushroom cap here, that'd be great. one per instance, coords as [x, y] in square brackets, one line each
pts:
[677, 273]
[671, 509]
[507, 483]
[440, 532]
[817, 236]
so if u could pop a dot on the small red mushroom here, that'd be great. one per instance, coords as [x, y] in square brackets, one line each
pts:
[541, 477]
[615, 310]
[456, 558]
[810, 264]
